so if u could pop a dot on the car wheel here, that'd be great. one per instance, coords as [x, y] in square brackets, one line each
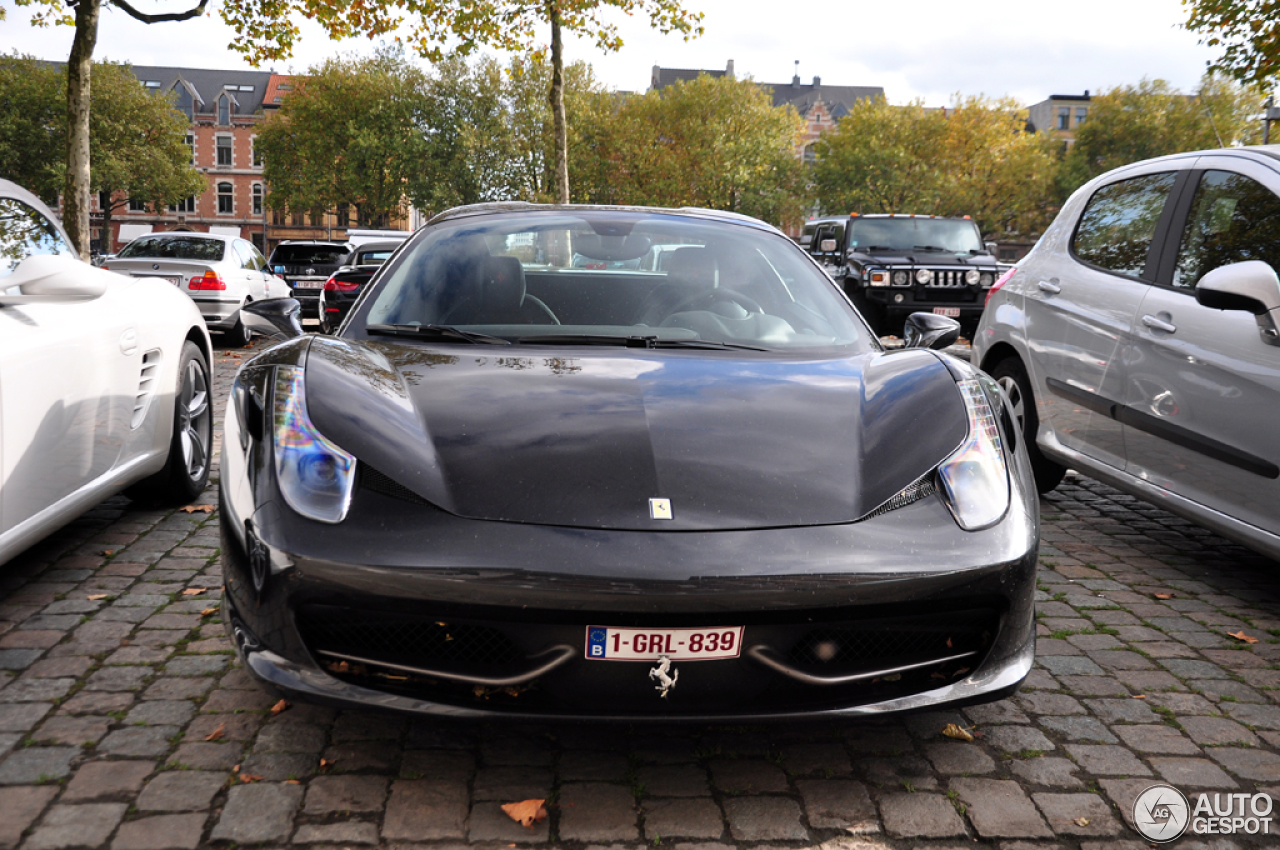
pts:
[186, 471]
[239, 335]
[873, 313]
[1012, 378]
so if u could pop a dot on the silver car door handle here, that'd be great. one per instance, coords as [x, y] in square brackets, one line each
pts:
[1159, 324]
[1049, 287]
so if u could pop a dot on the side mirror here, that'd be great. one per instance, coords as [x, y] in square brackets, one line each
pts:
[1251, 286]
[51, 278]
[991, 248]
[826, 246]
[278, 317]
[926, 330]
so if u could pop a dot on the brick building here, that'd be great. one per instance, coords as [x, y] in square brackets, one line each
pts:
[1059, 115]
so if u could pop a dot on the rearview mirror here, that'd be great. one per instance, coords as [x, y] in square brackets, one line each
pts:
[826, 246]
[53, 278]
[926, 330]
[278, 317]
[1251, 286]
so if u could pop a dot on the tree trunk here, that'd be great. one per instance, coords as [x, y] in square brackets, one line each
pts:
[75, 192]
[557, 108]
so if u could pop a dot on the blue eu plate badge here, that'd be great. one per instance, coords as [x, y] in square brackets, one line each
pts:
[596, 643]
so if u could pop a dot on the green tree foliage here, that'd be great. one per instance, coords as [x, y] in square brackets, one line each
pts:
[971, 159]
[1248, 31]
[348, 133]
[711, 142]
[1136, 122]
[137, 138]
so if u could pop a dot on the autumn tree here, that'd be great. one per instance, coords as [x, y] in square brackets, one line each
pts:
[1248, 33]
[430, 25]
[973, 158]
[348, 134]
[1136, 122]
[137, 138]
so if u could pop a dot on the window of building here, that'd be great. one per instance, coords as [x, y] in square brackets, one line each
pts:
[151, 84]
[187, 205]
[1081, 113]
[191, 144]
[257, 199]
[285, 87]
[317, 218]
[1064, 118]
[224, 152]
[810, 153]
[224, 111]
[257, 154]
[344, 216]
[226, 199]
[1117, 227]
[297, 219]
[137, 206]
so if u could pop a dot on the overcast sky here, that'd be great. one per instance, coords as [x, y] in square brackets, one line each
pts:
[929, 49]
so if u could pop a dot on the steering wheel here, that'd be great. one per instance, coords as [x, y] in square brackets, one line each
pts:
[709, 296]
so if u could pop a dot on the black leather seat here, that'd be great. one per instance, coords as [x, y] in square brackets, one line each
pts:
[499, 297]
[690, 270]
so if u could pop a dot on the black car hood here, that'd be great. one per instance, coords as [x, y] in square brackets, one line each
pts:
[923, 258]
[587, 440]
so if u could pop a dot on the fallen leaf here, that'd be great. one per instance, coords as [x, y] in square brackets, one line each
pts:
[94, 597]
[936, 675]
[196, 509]
[1080, 821]
[292, 782]
[948, 643]
[282, 705]
[235, 769]
[1163, 595]
[218, 733]
[247, 778]
[1241, 636]
[951, 730]
[339, 666]
[194, 591]
[208, 612]
[107, 552]
[526, 812]
[1139, 696]
[325, 764]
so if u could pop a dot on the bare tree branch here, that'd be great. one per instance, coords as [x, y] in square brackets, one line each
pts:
[155, 19]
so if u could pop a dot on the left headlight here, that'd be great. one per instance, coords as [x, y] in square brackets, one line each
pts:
[316, 477]
[974, 478]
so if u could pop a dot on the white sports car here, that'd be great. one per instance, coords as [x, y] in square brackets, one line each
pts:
[104, 381]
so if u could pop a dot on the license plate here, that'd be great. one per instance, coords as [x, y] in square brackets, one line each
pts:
[953, 312]
[176, 281]
[608, 644]
[308, 284]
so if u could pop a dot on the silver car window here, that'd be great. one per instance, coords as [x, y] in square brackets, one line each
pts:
[1233, 219]
[1117, 226]
[25, 232]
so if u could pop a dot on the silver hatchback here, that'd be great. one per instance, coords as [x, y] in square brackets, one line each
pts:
[1139, 343]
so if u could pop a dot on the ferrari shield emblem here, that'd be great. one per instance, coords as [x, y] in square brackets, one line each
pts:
[660, 509]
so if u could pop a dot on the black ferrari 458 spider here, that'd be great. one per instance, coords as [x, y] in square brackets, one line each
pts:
[624, 463]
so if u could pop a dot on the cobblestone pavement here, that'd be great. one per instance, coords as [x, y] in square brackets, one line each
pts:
[125, 723]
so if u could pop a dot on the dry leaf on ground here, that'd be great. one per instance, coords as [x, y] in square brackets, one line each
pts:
[1080, 821]
[194, 591]
[951, 730]
[282, 705]
[217, 733]
[526, 812]
[325, 764]
[1163, 595]
[247, 778]
[1241, 636]
[194, 509]
[1139, 696]
[292, 782]
[107, 552]
[208, 612]
[94, 597]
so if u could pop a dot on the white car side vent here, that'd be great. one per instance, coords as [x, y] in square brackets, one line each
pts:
[146, 387]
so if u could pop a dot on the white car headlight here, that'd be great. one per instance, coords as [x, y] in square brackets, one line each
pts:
[972, 276]
[975, 480]
[316, 477]
[923, 276]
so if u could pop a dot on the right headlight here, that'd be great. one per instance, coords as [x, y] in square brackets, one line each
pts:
[315, 476]
[975, 479]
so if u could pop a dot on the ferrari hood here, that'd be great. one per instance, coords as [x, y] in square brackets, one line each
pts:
[587, 440]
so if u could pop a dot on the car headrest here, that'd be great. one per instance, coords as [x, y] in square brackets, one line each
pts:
[692, 265]
[503, 279]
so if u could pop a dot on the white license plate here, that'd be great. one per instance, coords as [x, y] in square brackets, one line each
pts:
[953, 312]
[176, 281]
[308, 284]
[608, 644]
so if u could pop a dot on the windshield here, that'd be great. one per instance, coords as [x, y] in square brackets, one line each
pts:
[373, 257]
[915, 234]
[175, 248]
[309, 254]
[592, 277]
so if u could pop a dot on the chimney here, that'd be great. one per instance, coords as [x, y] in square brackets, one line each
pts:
[728, 70]
[1086, 94]
[653, 80]
[817, 81]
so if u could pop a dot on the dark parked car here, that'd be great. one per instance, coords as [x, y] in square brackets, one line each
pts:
[305, 266]
[1138, 341]
[343, 286]
[515, 486]
[895, 265]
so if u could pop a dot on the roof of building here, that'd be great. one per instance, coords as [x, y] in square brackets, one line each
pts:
[838, 99]
[277, 88]
[246, 89]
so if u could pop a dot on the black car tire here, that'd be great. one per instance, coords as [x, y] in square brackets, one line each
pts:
[186, 470]
[1013, 379]
[239, 335]
[872, 312]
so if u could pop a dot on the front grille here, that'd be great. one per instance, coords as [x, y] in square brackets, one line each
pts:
[402, 639]
[372, 479]
[921, 489]
[872, 644]
[948, 278]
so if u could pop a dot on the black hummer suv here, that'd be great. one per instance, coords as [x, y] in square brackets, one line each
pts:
[895, 265]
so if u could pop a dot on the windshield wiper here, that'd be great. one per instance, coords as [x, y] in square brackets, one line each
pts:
[436, 332]
[927, 248]
[632, 341]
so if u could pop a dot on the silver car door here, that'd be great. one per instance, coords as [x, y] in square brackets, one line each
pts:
[1080, 306]
[1204, 388]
